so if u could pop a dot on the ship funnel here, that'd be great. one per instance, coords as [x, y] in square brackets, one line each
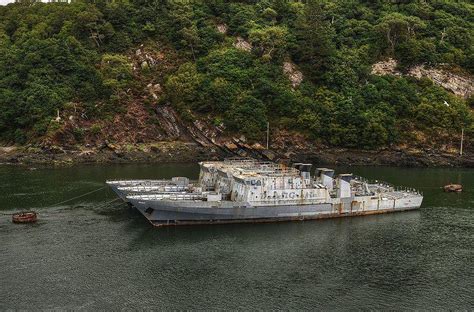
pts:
[326, 176]
[297, 166]
[344, 189]
[305, 171]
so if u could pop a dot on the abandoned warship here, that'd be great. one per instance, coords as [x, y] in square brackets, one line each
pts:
[245, 190]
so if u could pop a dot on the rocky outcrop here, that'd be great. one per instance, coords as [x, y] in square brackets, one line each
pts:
[155, 90]
[222, 28]
[145, 57]
[457, 84]
[294, 75]
[209, 132]
[192, 152]
[461, 85]
[169, 122]
[110, 153]
[242, 44]
[387, 67]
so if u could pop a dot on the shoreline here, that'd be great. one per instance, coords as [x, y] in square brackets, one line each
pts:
[179, 152]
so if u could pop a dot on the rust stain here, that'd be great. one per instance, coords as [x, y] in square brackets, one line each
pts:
[287, 219]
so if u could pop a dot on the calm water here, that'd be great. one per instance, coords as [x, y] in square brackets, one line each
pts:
[86, 255]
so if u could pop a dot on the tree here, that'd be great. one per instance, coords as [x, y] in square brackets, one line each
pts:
[269, 42]
[412, 52]
[91, 25]
[396, 28]
[183, 88]
[242, 17]
[247, 116]
[52, 54]
[314, 39]
[116, 72]
[185, 27]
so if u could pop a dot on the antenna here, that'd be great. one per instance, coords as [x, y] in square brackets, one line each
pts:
[462, 139]
[268, 135]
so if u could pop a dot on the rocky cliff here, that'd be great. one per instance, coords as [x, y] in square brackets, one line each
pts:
[461, 84]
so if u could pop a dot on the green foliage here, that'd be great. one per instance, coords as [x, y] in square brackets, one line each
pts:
[396, 28]
[39, 72]
[182, 88]
[247, 116]
[241, 18]
[116, 71]
[78, 134]
[269, 42]
[95, 129]
[314, 39]
[56, 53]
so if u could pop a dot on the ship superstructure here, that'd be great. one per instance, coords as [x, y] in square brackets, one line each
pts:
[242, 190]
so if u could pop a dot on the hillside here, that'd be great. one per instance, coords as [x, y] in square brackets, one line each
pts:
[127, 75]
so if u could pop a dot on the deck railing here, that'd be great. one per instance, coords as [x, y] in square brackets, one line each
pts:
[169, 196]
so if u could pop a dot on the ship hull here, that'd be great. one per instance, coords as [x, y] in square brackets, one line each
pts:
[122, 195]
[160, 187]
[163, 213]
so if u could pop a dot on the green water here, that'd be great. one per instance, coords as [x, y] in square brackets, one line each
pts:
[86, 255]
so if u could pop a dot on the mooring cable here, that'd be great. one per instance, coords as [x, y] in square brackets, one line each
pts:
[85, 194]
[103, 205]
[107, 203]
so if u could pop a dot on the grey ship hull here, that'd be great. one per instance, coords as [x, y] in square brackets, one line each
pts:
[162, 213]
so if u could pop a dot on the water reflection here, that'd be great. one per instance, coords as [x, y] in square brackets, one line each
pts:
[89, 256]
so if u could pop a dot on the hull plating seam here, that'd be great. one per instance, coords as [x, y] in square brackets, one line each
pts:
[271, 220]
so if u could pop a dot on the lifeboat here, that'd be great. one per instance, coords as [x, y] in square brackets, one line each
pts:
[25, 217]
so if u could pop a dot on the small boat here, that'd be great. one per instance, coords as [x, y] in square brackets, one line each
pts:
[453, 188]
[25, 217]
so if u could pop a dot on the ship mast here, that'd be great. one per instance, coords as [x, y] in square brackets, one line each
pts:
[268, 133]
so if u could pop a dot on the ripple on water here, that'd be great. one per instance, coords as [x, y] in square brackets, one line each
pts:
[90, 256]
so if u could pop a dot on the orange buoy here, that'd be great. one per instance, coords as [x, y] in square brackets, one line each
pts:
[25, 217]
[453, 188]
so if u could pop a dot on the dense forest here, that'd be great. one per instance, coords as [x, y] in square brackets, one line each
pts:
[79, 56]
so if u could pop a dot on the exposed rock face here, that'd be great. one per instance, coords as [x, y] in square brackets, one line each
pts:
[242, 44]
[387, 67]
[154, 89]
[293, 74]
[461, 85]
[169, 122]
[202, 133]
[134, 126]
[7, 149]
[146, 57]
[222, 28]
